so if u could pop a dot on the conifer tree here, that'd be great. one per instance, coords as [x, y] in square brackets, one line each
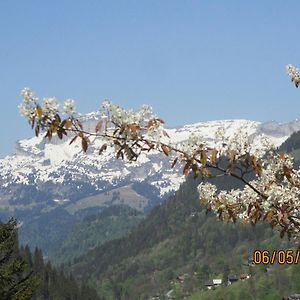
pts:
[16, 283]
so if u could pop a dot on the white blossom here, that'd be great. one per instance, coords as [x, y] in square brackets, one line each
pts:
[274, 194]
[120, 115]
[280, 192]
[27, 107]
[50, 107]
[28, 96]
[294, 73]
[220, 134]
[26, 110]
[192, 144]
[115, 115]
[69, 107]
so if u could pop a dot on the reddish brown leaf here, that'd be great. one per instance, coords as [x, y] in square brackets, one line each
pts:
[49, 135]
[99, 126]
[151, 146]
[103, 148]
[231, 155]
[165, 149]
[151, 123]
[84, 144]
[258, 169]
[122, 129]
[160, 120]
[282, 155]
[165, 134]
[57, 119]
[73, 139]
[115, 131]
[273, 223]
[203, 200]
[269, 216]
[60, 133]
[229, 169]
[120, 154]
[79, 124]
[116, 142]
[220, 212]
[205, 172]
[186, 168]
[174, 162]
[134, 128]
[37, 130]
[249, 209]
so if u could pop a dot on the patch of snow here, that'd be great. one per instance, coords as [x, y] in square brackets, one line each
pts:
[58, 165]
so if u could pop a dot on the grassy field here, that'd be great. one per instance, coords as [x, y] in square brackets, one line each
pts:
[123, 195]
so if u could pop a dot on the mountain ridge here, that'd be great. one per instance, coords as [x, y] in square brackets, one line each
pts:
[56, 172]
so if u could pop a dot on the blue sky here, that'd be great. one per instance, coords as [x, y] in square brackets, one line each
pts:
[190, 60]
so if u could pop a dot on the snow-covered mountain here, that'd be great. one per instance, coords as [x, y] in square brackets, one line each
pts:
[57, 173]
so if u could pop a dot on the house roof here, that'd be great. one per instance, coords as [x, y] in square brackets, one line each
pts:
[209, 283]
[217, 281]
[232, 278]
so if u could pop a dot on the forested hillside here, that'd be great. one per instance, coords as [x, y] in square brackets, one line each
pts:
[177, 238]
[174, 251]
[276, 283]
[63, 236]
[25, 276]
[94, 230]
[52, 282]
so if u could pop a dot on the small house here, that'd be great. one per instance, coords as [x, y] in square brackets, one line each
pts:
[209, 284]
[217, 281]
[245, 276]
[232, 279]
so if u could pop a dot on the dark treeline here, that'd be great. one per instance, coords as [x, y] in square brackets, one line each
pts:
[53, 283]
[25, 276]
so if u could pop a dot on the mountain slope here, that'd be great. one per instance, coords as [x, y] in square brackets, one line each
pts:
[48, 186]
[58, 174]
[94, 230]
[176, 239]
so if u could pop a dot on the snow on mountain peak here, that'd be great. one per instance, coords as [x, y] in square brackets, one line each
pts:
[44, 170]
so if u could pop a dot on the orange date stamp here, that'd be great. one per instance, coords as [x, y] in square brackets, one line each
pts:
[266, 257]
